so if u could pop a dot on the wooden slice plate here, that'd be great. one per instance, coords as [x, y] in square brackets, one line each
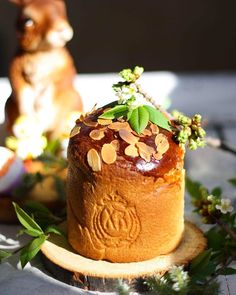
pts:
[58, 251]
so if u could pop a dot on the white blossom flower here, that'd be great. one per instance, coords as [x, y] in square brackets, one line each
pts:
[176, 286]
[130, 92]
[210, 198]
[225, 206]
[31, 148]
[27, 126]
[28, 141]
[179, 277]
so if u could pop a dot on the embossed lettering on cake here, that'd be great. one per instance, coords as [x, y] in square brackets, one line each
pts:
[115, 222]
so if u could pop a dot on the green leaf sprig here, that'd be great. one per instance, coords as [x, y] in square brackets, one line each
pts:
[33, 229]
[131, 103]
[189, 130]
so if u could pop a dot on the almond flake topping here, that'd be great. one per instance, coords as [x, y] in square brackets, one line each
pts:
[94, 160]
[158, 156]
[154, 128]
[97, 134]
[75, 131]
[143, 146]
[147, 132]
[145, 151]
[128, 137]
[108, 153]
[136, 134]
[144, 155]
[131, 151]
[162, 143]
[117, 126]
[90, 123]
[104, 122]
[115, 144]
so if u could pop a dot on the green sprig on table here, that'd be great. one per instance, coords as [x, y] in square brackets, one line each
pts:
[33, 229]
[38, 232]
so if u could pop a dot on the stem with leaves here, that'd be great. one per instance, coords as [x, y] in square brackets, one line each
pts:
[32, 228]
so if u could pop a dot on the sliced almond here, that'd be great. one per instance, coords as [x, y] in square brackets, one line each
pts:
[81, 118]
[145, 156]
[128, 137]
[90, 123]
[158, 156]
[162, 143]
[131, 151]
[108, 153]
[94, 160]
[154, 128]
[143, 146]
[75, 131]
[147, 132]
[117, 126]
[145, 151]
[115, 144]
[136, 134]
[97, 134]
[104, 122]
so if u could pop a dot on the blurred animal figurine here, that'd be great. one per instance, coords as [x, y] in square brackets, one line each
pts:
[42, 71]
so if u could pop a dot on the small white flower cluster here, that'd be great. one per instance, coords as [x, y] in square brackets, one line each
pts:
[225, 206]
[28, 141]
[179, 277]
[128, 94]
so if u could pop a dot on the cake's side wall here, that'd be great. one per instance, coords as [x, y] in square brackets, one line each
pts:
[123, 216]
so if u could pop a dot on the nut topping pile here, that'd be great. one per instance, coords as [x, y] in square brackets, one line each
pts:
[135, 147]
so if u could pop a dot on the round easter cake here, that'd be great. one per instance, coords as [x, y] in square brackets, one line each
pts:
[125, 191]
[125, 186]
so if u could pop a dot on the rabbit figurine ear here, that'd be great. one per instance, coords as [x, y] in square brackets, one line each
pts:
[20, 2]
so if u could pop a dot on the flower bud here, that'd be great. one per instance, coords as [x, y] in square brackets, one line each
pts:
[138, 71]
[197, 118]
[182, 136]
[201, 132]
[187, 130]
[192, 145]
[127, 75]
[184, 120]
[200, 142]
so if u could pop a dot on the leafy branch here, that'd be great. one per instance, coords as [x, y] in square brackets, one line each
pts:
[131, 103]
[131, 106]
[33, 229]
